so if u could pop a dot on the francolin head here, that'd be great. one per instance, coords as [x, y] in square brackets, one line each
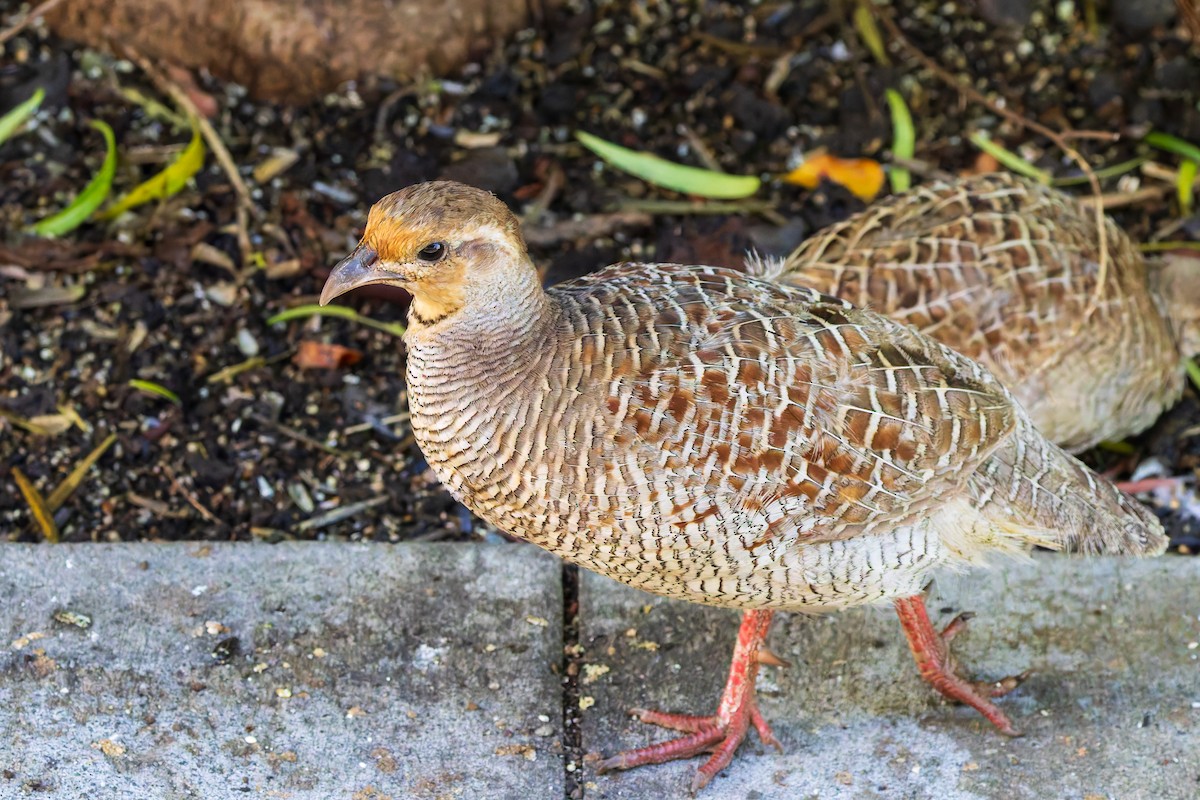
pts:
[706, 435]
[1007, 271]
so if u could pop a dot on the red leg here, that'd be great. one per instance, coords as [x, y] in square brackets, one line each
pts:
[721, 733]
[936, 664]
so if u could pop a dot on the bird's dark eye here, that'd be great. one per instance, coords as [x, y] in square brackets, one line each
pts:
[434, 251]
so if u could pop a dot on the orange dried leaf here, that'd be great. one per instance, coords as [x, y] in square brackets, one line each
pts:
[37, 505]
[317, 355]
[984, 163]
[65, 489]
[862, 176]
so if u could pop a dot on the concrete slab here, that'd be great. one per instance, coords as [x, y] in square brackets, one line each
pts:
[1113, 710]
[347, 671]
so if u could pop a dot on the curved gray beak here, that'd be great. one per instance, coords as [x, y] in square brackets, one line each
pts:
[360, 268]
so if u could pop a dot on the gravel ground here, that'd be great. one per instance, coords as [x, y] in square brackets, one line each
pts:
[260, 445]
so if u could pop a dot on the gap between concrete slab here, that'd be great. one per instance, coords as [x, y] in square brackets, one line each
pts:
[572, 726]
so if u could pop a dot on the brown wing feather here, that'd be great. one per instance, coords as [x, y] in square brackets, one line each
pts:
[795, 398]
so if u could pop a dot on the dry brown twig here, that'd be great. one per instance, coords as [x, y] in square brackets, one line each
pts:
[190, 498]
[245, 203]
[1122, 199]
[1168, 180]
[553, 179]
[43, 9]
[1059, 139]
[592, 226]
[1161, 172]
[701, 149]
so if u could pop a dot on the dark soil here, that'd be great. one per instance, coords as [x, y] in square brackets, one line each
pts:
[169, 297]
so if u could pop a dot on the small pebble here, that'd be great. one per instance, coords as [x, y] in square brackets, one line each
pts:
[223, 294]
[246, 343]
[335, 193]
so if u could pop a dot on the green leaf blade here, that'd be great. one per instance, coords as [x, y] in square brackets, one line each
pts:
[1184, 184]
[868, 31]
[341, 312]
[668, 174]
[1008, 158]
[904, 140]
[167, 182]
[87, 201]
[15, 118]
[1193, 371]
[1104, 173]
[1172, 144]
[150, 387]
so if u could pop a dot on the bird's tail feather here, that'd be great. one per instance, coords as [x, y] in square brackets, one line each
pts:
[1061, 503]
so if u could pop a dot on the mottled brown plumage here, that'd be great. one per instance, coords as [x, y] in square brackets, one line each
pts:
[705, 435]
[1005, 270]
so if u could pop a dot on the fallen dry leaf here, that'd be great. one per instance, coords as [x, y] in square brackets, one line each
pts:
[317, 355]
[862, 176]
[37, 506]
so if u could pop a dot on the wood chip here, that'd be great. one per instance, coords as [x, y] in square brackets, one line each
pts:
[53, 424]
[205, 253]
[47, 296]
[339, 514]
[472, 140]
[280, 161]
[284, 269]
[156, 507]
[23, 423]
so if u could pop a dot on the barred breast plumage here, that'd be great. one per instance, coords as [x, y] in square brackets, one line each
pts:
[1006, 271]
[705, 435]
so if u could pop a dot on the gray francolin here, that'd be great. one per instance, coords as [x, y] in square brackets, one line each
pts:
[1006, 271]
[706, 435]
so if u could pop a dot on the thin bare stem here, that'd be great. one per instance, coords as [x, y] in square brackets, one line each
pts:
[246, 205]
[42, 10]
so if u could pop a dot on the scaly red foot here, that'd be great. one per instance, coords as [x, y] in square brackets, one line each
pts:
[721, 733]
[936, 664]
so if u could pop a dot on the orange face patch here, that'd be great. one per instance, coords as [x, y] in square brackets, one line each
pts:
[395, 238]
[404, 222]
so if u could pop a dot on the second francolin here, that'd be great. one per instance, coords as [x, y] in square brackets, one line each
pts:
[1007, 271]
[705, 435]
